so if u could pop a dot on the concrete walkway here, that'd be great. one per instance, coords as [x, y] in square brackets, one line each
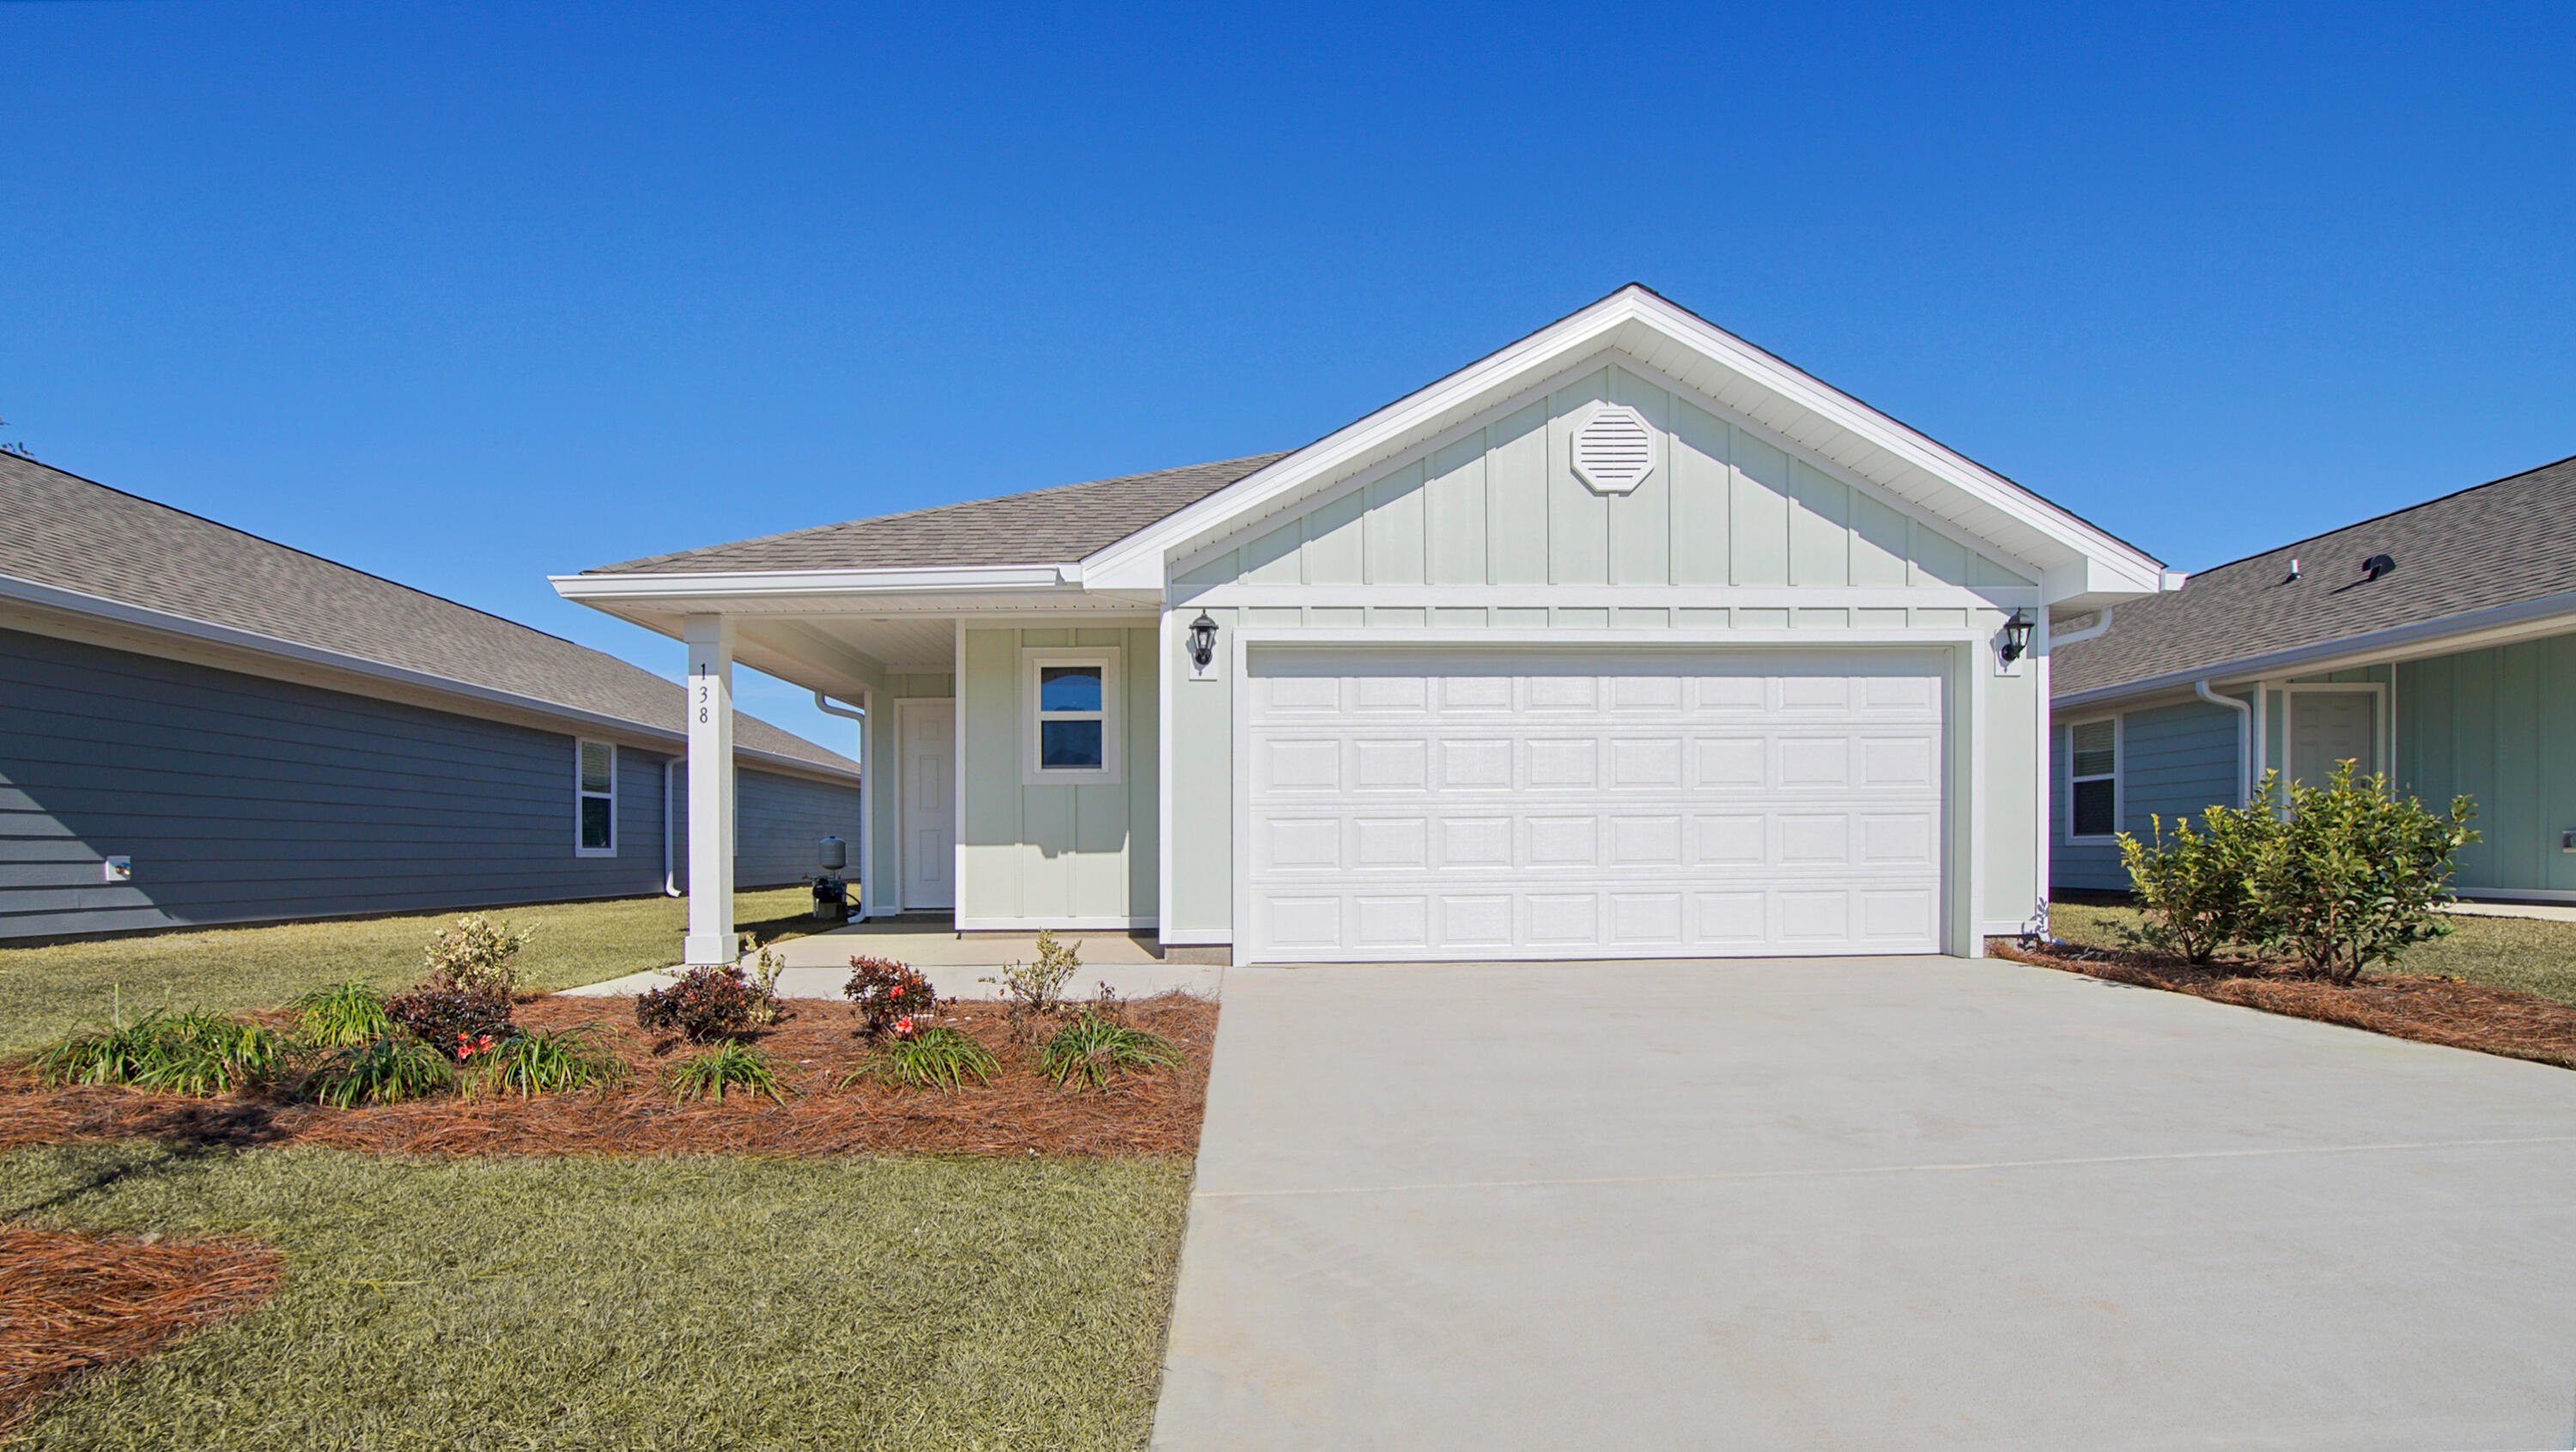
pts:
[818, 966]
[1860, 1203]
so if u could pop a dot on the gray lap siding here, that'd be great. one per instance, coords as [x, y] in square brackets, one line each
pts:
[2174, 761]
[242, 799]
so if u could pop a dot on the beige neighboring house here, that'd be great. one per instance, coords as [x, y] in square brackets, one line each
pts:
[1626, 640]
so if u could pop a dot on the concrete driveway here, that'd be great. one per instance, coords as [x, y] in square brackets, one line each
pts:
[1856, 1203]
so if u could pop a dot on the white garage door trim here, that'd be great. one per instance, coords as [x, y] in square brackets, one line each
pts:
[1945, 657]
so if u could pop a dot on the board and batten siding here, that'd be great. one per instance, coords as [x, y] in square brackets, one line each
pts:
[2499, 725]
[244, 799]
[1495, 531]
[2174, 761]
[1081, 855]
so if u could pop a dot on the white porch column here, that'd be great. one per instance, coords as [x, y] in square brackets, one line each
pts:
[711, 837]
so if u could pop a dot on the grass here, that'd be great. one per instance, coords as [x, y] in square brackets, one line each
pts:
[2527, 955]
[47, 992]
[580, 1302]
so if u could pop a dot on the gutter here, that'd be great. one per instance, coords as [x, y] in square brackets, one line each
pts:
[755, 583]
[2376, 645]
[118, 612]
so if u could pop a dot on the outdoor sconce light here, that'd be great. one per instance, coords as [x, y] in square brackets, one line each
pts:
[2016, 636]
[1203, 640]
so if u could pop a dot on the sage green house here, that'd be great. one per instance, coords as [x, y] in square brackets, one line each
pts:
[1627, 640]
[2435, 644]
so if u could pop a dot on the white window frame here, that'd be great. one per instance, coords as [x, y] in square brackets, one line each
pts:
[581, 794]
[2118, 778]
[1111, 715]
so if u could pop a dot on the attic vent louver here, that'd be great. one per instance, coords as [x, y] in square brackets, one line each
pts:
[1614, 449]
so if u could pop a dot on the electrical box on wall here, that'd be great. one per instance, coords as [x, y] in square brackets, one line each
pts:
[117, 869]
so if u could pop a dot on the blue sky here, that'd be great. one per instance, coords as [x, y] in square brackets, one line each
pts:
[467, 294]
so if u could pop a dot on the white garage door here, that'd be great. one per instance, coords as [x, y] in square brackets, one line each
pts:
[1561, 805]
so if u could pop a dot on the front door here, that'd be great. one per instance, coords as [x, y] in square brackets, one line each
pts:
[926, 759]
[2327, 727]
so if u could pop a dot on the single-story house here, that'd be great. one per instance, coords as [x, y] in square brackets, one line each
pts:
[2436, 644]
[1629, 639]
[198, 725]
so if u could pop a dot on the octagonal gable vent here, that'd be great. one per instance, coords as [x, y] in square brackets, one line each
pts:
[1614, 449]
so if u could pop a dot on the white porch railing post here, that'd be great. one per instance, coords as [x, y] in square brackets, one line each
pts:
[711, 819]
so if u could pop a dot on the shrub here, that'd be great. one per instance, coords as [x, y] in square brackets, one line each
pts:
[193, 1053]
[1092, 1048]
[705, 1004]
[474, 953]
[342, 1014]
[388, 1070]
[887, 994]
[767, 964]
[2354, 875]
[458, 1022]
[727, 1066]
[542, 1061]
[2195, 890]
[1036, 990]
[934, 1058]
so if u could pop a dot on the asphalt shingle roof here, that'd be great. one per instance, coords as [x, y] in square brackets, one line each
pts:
[1041, 527]
[62, 530]
[2496, 544]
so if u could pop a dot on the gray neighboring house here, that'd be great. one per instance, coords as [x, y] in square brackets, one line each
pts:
[198, 725]
[2436, 643]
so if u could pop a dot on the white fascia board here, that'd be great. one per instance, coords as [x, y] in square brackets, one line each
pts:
[99, 607]
[2472, 630]
[1804, 404]
[756, 584]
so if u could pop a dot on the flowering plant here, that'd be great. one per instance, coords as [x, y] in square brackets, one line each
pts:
[458, 1022]
[707, 1003]
[890, 997]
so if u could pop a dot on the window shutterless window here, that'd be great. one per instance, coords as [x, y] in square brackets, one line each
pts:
[594, 799]
[1071, 721]
[2093, 778]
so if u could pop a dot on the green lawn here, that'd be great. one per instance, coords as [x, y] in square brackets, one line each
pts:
[2519, 953]
[46, 991]
[638, 1303]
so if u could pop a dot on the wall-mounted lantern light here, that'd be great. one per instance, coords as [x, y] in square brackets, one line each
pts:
[2017, 636]
[1203, 640]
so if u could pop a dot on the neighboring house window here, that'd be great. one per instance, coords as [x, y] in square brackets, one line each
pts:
[2093, 779]
[595, 800]
[1072, 721]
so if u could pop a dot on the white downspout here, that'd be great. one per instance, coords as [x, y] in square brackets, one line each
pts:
[670, 877]
[867, 797]
[2244, 739]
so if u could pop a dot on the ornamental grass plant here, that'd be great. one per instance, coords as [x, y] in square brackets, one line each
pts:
[728, 1066]
[1093, 1049]
[933, 1058]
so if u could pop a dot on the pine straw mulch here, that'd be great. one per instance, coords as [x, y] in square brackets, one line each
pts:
[1018, 1113]
[73, 1303]
[2432, 1010]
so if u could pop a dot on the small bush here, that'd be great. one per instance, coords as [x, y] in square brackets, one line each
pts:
[388, 1070]
[727, 1066]
[887, 994]
[474, 953]
[2195, 890]
[543, 1061]
[193, 1053]
[342, 1014]
[1035, 991]
[934, 1058]
[706, 1004]
[1092, 1048]
[458, 1022]
[2354, 875]
[767, 964]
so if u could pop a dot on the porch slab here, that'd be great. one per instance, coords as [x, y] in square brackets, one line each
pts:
[955, 964]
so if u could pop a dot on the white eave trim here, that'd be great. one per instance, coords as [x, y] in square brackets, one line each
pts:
[2422, 638]
[99, 607]
[1129, 562]
[740, 584]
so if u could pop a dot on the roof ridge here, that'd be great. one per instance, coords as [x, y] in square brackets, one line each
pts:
[2385, 514]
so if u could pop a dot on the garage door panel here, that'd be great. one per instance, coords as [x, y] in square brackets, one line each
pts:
[1714, 804]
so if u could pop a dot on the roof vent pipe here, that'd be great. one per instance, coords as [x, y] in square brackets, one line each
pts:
[2294, 567]
[2244, 738]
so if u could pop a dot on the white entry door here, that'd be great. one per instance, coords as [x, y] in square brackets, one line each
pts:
[2327, 727]
[926, 759]
[1579, 804]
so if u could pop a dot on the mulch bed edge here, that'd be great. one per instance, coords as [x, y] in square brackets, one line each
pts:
[74, 1304]
[2431, 1010]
